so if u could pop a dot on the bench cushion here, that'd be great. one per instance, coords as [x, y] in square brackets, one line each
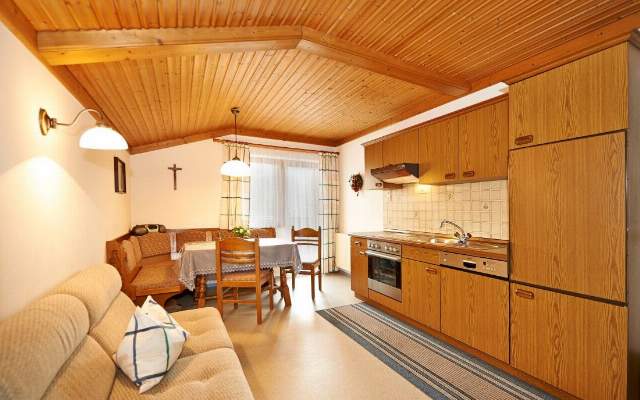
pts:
[160, 278]
[154, 244]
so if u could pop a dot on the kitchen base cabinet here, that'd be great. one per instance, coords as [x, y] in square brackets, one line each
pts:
[475, 311]
[359, 267]
[575, 344]
[421, 292]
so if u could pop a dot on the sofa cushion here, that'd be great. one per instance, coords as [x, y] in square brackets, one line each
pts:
[96, 287]
[154, 244]
[189, 236]
[78, 378]
[136, 248]
[36, 342]
[215, 374]
[206, 329]
[131, 261]
[108, 332]
[152, 278]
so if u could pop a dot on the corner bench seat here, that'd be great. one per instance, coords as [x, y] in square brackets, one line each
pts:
[80, 325]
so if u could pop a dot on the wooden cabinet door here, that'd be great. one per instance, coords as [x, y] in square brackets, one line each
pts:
[439, 152]
[575, 344]
[585, 97]
[372, 159]
[475, 311]
[484, 142]
[359, 271]
[401, 148]
[421, 292]
[567, 215]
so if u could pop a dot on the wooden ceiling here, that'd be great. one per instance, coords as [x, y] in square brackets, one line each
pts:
[316, 71]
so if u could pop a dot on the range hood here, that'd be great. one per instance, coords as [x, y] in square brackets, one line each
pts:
[397, 173]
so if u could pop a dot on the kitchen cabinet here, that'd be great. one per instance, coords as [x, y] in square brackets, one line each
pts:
[483, 142]
[421, 292]
[585, 97]
[359, 267]
[475, 311]
[438, 149]
[401, 148]
[567, 216]
[372, 159]
[575, 344]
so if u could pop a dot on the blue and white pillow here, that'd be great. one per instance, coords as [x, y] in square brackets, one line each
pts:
[151, 345]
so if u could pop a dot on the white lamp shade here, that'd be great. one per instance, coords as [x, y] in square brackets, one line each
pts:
[102, 138]
[235, 168]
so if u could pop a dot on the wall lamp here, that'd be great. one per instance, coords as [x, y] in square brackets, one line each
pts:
[99, 137]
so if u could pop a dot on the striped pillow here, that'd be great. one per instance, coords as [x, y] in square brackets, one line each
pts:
[149, 348]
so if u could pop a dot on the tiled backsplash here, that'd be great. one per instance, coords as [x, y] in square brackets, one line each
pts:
[480, 208]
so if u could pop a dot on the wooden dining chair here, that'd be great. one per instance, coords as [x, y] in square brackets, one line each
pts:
[237, 251]
[310, 264]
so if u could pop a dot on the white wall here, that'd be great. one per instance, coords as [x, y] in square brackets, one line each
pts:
[195, 204]
[57, 202]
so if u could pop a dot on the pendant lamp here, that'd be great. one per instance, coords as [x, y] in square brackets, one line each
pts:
[235, 167]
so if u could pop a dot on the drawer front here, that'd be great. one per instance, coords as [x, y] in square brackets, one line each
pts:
[358, 243]
[421, 254]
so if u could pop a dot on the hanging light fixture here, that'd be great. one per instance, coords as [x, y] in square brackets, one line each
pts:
[235, 167]
[99, 137]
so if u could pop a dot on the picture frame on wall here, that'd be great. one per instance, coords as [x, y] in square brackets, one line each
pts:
[120, 175]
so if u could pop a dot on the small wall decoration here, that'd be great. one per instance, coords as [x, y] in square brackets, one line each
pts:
[119, 175]
[356, 182]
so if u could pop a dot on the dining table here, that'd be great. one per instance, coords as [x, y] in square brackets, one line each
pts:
[198, 259]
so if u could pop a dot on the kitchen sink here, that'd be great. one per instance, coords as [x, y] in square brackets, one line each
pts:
[443, 241]
[469, 245]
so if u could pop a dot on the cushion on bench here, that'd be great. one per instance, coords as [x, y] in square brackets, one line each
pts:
[156, 277]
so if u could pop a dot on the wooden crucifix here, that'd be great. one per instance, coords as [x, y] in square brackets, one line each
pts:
[175, 176]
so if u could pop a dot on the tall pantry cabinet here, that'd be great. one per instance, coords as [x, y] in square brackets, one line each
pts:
[574, 201]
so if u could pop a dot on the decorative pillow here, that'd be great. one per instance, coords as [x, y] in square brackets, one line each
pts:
[157, 312]
[150, 347]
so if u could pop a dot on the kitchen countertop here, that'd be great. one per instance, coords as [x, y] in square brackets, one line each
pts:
[487, 248]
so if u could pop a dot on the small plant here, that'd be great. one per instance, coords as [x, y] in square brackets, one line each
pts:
[241, 231]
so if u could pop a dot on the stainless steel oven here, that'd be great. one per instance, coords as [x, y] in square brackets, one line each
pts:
[385, 268]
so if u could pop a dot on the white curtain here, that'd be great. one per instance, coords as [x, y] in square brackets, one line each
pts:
[284, 189]
[329, 208]
[234, 198]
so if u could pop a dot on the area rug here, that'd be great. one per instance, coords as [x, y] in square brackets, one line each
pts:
[438, 369]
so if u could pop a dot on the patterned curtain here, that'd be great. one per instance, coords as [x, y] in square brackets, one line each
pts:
[235, 194]
[329, 208]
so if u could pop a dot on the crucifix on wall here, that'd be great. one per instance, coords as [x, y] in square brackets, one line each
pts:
[175, 176]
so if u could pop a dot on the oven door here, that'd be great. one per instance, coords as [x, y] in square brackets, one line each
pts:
[385, 274]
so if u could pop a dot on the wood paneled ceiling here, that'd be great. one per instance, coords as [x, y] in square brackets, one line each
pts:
[316, 71]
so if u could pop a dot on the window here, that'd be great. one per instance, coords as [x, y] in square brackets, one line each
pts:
[284, 189]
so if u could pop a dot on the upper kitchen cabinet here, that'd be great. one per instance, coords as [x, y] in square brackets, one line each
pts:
[401, 148]
[438, 152]
[582, 98]
[483, 141]
[372, 159]
[567, 215]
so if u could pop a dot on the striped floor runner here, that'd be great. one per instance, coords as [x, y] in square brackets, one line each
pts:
[437, 368]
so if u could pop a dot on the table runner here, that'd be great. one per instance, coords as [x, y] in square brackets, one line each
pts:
[199, 258]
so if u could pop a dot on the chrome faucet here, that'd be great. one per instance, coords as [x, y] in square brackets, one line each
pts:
[460, 234]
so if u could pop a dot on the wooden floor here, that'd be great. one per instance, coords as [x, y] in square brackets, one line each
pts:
[296, 354]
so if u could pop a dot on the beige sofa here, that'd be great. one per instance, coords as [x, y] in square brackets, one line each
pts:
[61, 347]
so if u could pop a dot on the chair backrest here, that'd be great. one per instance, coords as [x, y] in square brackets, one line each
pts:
[237, 251]
[308, 237]
[268, 232]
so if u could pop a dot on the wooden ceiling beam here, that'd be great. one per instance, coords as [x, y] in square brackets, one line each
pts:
[99, 46]
[331, 47]
[197, 137]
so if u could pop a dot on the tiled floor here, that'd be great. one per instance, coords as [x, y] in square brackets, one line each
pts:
[296, 354]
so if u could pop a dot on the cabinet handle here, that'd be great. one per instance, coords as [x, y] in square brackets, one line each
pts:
[431, 270]
[520, 140]
[357, 243]
[525, 294]
[450, 175]
[361, 253]
[469, 174]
